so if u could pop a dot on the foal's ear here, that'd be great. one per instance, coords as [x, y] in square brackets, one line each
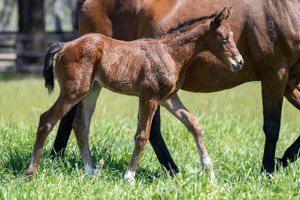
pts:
[223, 15]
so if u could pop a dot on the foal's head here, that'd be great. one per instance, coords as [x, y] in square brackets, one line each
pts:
[220, 42]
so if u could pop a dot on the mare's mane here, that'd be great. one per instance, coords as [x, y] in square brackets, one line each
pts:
[182, 25]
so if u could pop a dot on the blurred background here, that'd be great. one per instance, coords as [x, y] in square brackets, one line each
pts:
[28, 27]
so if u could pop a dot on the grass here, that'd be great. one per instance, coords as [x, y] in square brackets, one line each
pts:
[231, 121]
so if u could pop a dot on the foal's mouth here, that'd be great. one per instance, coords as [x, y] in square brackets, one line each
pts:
[236, 63]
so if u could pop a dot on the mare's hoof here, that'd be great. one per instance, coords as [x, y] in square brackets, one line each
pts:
[271, 168]
[280, 162]
[56, 155]
[268, 170]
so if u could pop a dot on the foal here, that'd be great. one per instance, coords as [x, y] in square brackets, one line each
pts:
[152, 69]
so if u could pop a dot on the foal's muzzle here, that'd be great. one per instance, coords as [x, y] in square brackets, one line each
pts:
[236, 63]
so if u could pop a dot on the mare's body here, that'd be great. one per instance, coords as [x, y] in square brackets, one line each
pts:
[266, 33]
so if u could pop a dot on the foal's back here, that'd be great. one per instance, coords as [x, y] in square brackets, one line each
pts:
[120, 66]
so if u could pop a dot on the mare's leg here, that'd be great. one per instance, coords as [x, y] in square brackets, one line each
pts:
[63, 133]
[273, 86]
[81, 127]
[147, 110]
[46, 124]
[160, 147]
[292, 94]
[291, 154]
[174, 105]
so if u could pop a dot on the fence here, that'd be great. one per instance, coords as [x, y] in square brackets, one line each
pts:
[12, 50]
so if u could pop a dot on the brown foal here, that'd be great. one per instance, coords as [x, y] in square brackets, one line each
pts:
[152, 69]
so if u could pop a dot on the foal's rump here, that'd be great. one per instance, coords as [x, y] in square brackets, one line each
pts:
[74, 61]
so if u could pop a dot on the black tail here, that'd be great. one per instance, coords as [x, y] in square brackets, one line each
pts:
[49, 64]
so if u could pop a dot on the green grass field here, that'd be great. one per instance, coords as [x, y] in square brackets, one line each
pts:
[231, 121]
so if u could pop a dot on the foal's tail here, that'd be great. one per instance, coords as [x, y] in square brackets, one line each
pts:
[49, 64]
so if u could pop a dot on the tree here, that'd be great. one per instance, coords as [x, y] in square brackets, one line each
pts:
[30, 42]
[5, 14]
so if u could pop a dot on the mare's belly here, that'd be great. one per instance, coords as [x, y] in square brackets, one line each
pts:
[208, 74]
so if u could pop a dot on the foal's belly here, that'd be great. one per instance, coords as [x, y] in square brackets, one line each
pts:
[119, 86]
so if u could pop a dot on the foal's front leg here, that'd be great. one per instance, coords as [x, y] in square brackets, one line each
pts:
[174, 105]
[81, 127]
[147, 110]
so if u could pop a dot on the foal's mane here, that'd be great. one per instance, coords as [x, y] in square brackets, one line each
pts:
[182, 25]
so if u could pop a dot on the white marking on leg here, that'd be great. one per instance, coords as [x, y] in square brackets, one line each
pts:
[129, 175]
[90, 170]
[212, 177]
[206, 162]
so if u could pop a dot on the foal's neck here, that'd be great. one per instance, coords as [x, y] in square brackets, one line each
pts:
[186, 42]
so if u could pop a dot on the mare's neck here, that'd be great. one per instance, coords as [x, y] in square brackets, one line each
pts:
[186, 42]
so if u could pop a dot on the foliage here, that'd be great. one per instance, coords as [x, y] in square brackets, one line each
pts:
[232, 126]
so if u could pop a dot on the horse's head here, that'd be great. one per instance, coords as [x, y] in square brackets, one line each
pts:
[220, 42]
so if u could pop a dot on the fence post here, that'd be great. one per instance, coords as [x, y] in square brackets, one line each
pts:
[30, 40]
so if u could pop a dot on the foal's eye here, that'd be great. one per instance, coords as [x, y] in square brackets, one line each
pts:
[224, 38]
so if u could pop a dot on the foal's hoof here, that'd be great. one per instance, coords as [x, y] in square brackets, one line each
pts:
[30, 175]
[90, 170]
[130, 181]
[129, 177]
[211, 176]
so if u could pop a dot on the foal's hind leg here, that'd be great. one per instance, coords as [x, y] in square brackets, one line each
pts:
[46, 124]
[81, 126]
[174, 105]
[147, 110]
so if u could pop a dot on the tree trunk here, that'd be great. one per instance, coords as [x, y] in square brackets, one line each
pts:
[76, 6]
[6, 12]
[58, 7]
[30, 43]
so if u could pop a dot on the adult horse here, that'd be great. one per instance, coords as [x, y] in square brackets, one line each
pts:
[266, 33]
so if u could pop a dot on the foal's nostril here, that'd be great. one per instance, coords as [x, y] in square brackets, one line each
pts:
[241, 62]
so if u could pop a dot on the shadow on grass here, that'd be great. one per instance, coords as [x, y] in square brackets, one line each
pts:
[15, 162]
[114, 166]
